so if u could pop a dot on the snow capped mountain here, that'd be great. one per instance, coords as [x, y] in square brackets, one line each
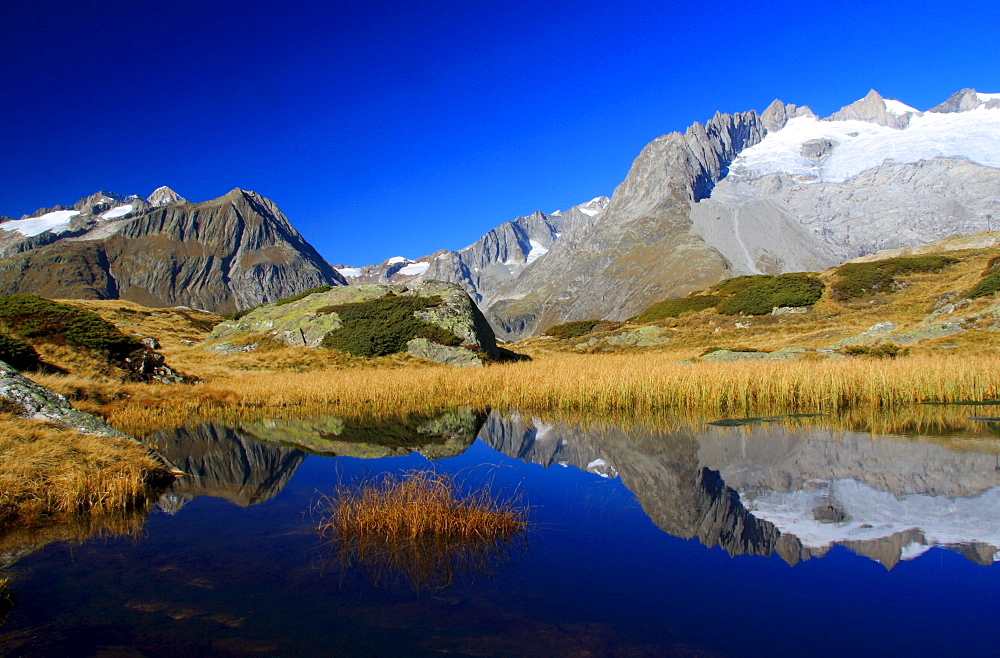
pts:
[835, 151]
[164, 196]
[774, 192]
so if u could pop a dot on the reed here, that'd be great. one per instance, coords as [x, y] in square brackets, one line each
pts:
[603, 384]
[419, 528]
[50, 474]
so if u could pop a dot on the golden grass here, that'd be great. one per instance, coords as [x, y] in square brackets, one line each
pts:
[48, 473]
[600, 384]
[417, 527]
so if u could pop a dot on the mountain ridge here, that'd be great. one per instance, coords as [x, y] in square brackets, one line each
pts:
[221, 255]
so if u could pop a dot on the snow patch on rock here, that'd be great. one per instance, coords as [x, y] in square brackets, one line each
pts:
[115, 213]
[861, 146]
[414, 269]
[56, 222]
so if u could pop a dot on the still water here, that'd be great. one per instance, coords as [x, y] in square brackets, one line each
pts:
[756, 540]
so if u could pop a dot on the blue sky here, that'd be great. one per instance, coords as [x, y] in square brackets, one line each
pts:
[389, 128]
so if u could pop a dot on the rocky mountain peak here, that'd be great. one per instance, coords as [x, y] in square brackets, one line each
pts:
[873, 108]
[164, 196]
[967, 99]
[777, 114]
[103, 201]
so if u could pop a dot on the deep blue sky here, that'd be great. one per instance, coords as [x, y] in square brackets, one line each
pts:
[384, 128]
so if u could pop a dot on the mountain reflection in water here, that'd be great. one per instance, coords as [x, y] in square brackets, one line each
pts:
[792, 491]
[622, 556]
[755, 489]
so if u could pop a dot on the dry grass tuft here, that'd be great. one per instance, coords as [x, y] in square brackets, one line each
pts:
[48, 473]
[420, 529]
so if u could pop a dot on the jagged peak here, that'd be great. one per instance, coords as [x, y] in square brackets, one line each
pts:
[778, 113]
[873, 108]
[164, 196]
[965, 100]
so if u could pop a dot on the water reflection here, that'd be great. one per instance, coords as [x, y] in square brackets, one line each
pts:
[250, 463]
[223, 462]
[797, 492]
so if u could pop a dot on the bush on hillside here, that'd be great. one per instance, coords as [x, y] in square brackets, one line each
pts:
[569, 330]
[861, 279]
[880, 351]
[34, 317]
[17, 354]
[674, 308]
[383, 326]
[301, 295]
[990, 283]
[762, 293]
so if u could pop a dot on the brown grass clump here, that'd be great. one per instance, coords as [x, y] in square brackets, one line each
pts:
[48, 473]
[420, 529]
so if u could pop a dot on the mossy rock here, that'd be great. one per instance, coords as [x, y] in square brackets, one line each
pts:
[445, 315]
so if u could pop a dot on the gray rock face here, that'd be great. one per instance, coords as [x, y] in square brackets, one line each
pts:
[775, 224]
[871, 108]
[230, 253]
[640, 248]
[964, 101]
[777, 114]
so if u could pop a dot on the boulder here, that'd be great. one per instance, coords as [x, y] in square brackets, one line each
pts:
[305, 322]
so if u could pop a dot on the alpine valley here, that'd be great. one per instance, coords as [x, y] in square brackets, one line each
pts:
[745, 193]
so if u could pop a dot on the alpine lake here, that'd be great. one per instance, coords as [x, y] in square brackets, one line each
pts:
[779, 536]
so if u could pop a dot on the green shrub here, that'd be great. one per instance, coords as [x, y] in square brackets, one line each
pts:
[880, 351]
[17, 354]
[674, 308]
[739, 348]
[988, 286]
[301, 295]
[238, 314]
[569, 330]
[990, 282]
[861, 279]
[383, 326]
[762, 293]
[34, 317]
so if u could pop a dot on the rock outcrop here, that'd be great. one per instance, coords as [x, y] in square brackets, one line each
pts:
[222, 255]
[305, 322]
[27, 399]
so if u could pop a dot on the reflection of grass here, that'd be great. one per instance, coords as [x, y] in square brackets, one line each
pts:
[420, 529]
[7, 601]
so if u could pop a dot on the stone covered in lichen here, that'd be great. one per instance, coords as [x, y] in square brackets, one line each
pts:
[305, 322]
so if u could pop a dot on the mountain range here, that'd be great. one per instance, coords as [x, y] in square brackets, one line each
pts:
[745, 193]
